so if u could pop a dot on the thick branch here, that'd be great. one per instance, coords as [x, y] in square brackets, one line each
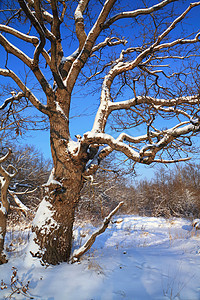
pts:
[121, 66]
[15, 51]
[147, 154]
[107, 106]
[27, 38]
[192, 100]
[28, 61]
[89, 43]
[5, 157]
[56, 48]
[39, 29]
[115, 144]
[165, 161]
[79, 22]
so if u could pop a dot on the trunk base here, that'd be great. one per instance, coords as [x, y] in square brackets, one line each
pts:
[3, 218]
[3, 259]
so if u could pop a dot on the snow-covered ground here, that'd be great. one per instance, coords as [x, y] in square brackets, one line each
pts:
[136, 258]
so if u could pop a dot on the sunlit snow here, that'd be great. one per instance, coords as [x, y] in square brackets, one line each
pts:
[135, 258]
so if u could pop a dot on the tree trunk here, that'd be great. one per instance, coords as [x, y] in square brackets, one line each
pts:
[54, 220]
[5, 179]
[2, 236]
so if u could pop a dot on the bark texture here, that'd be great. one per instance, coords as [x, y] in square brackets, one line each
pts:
[2, 237]
[62, 192]
[5, 178]
[54, 231]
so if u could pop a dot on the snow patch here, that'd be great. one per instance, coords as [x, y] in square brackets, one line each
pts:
[59, 108]
[135, 258]
[73, 146]
[1, 235]
[2, 181]
[196, 223]
[44, 215]
[3, 209]
[52, 180]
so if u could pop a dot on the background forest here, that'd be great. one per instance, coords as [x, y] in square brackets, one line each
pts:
[171, 192]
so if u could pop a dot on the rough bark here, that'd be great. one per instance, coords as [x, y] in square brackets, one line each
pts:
[2, 237]
[56, 214]
[4, 202]
[62, 192]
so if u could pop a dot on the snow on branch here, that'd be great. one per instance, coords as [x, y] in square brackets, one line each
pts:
[21, 206]
[158, 140]
[107, 106]
[172, 161]
[9, 100]
[115, 144]
[27, 38]
[88, 244]
[148, 152]
[10, 48]
[79, 22]
[5, 157]
[88, 45]
[113, 41]
[121, 66]
[126, 104]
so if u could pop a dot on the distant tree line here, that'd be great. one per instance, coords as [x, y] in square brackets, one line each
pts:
[170, 193]
[32, 172]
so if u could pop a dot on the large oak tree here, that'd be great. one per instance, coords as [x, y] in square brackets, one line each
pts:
[148, 79]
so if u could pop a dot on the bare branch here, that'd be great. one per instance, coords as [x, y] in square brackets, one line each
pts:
[164, 161]
[15, 51]
[113, 41]
[5, 157]
[39, 29]
[27, 38]
[174, 23]
[89, 43]
[63, 11]
[26, 92]
[136, 13]
[9, 100]
[22, 207]
[88, 244]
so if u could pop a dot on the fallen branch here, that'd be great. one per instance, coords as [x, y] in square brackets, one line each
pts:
[88, 244]
[21, 206]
